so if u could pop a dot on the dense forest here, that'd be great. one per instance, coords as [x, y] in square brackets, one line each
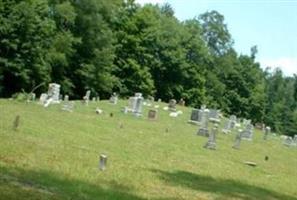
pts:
[119, 46]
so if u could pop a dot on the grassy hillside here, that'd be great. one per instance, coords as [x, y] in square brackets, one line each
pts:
[54, 155]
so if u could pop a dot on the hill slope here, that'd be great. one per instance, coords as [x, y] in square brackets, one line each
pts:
[54, 155]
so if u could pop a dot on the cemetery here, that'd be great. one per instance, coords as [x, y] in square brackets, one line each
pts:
[47, 153]
[148, 100]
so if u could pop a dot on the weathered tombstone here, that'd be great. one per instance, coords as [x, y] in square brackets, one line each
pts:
[233, 120]
[172, 105]
[54, 92]
[288, 141]
[237, 139]
[203, 130]
[211, 143]
[94, 99]
[43, 98]
[113, 99]
[97, 98]
[152, 114]
[247, 133]
[102, 162]
[267, 132]
[66, 98]
[86, 98]
[159, 100]
[98, 111]
[229, 124]
[68, 106]
[194, 116]
[227, 127]
[213, 113]
[138, 105]
[16, 123]
[181, 102]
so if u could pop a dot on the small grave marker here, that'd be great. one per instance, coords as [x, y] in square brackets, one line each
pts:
[16, 122]
[102, 162]
[152, 114]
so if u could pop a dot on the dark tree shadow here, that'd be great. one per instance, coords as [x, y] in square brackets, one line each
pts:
[225, 188]
[17, 183]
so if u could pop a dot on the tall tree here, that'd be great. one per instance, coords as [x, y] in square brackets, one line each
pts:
[26, 32]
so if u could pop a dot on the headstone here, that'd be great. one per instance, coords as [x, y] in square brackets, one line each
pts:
[66, 98]
[68, 106]
[233, 120]
[237, 139]
[159, 100]
[102, 162]
[98, 111]
[247, 133]
[203, 130]
[195, 116]
[172, 105]
[229, 124]
[113, 99]
[288, 141]
[138, 105]
[16, 123]
[267, 132]
[43, 98]
[214, 114]
[86, 98]
[135, 104]
[152, 114]
[54, 92]
[181, 102]
[211, 143]
[94, 99]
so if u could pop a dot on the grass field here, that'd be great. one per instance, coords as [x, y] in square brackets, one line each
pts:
[54, 155]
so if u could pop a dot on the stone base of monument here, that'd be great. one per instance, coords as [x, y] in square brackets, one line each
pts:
[203, 132]
[210, 145]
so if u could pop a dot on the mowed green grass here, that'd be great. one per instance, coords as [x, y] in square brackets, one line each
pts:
[55, 155]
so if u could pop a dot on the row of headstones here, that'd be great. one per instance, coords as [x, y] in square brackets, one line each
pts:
[290, 141]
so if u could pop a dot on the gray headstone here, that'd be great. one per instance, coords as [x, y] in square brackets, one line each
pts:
[288, 141]
[68, 106]
[195, 115]
[266, 133]
[237, 139]
[211, 143]
[152, 114]
[172, 105]
[203, 130]
[113, 99]
[247, 133]
[86, 98]
[102, 162]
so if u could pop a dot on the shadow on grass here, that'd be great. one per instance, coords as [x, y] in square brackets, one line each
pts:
[225, 189]
[16, 183]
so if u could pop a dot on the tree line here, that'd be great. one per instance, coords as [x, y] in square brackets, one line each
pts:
[119, 46]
